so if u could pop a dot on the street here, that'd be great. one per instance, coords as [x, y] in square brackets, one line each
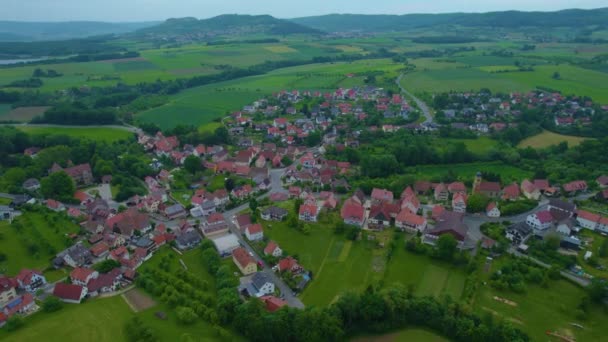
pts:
[423, 107]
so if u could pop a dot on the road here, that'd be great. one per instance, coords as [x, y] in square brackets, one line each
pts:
[423, 107]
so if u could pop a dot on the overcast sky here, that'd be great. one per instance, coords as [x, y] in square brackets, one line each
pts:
[140, 10]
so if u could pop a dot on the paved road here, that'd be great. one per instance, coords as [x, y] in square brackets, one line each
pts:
[423, 107]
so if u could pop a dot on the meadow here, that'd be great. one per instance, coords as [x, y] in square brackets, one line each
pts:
[547, 138]
[105, 134]
[480, 146]
[34, 241]
[405, 335]
[465, 172]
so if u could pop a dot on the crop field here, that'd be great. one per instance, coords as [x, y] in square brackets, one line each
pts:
[106, 134]
[22, 114]
[34, 243]
[547, 138]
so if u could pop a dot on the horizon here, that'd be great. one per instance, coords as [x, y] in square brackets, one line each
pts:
[62, 10]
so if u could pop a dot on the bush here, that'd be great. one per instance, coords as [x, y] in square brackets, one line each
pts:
[186, 315]
[14, 323]
[52, 304]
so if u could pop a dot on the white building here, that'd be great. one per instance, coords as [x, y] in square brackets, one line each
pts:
[226, 244]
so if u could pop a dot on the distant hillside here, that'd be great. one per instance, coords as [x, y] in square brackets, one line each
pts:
[508, 19]
[11, 31]
[232, 24]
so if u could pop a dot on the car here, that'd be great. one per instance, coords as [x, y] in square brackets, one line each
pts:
[260, 264]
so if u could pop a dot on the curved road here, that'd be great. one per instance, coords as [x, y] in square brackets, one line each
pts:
[423, 107]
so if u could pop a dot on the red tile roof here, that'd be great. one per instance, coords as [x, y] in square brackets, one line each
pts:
[81, 274]
[25, 276]
[270, 248]
[68, 291]
[255, 228]
[588, 216]
[242, 257]
[273, 303]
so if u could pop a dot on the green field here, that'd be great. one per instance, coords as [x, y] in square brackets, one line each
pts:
[4, 109]
[547, 138]
[106, 134]
[21, 114]
[25, 247]
[480, 146]
[541, 309]
[406, 335]
[200, 105]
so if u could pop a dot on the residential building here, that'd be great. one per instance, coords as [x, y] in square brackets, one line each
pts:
[82, 276]
[410, 222]
[288, 264]
[244, 261]
[308, 213]
[441, 192]
[529, 190]
[260, 285]
[175, 211]
[129, 221]
[492, 210]
[254, 232]
[353, 213]
[81, 174]
[273, 249]
[575, 186]
[70, 293]
[587, 219]
[448, 223]
[226, 244]
[274, 213]
[379, 217]
[215, 225]
[7, 290]
[381, 195]
[188, 240]
[511, 192]
[75, 256]
[490, 189]
[541, 220]
[459, 202]
[273, 303]
[30, 280]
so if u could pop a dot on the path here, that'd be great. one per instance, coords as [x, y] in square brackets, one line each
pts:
[423, 107]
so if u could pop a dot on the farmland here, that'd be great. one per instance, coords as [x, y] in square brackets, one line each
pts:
[547, 138]
[105, 134]
[22, 114]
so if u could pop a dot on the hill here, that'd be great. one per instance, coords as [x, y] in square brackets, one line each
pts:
[229, 24]
[12, 31]
[507, 19]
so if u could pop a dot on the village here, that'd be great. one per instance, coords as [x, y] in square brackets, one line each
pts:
[275, 164]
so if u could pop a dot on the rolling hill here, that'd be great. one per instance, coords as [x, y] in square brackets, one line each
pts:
[11, 31]
[509, 19]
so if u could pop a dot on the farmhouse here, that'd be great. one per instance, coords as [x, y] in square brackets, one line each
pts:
[511, 192]
[70, 293]
[441, 192]
[129, 221]
[561, 210]
[448, 223]
[7, 290]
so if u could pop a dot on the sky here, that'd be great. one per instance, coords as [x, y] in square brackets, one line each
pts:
[148, 10]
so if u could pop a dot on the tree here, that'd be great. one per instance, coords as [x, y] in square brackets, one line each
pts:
[106, 266]
[59, 185]
[193, 164]
[556, 76]
[446, 246]
[229, 184]
[186, 315]
[52, 304]
[137, 331]
[477, 203]
[253, 205]
[13, 323]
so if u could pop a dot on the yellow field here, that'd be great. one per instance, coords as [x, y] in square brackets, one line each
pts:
[546, 139]
[280, 49]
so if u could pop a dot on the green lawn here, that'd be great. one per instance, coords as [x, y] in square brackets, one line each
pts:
[35, 243]
[95, 133]
[95, 320]
[406, 335]
[547, 138]
[480, 146]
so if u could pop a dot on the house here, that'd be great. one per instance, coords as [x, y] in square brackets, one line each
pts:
[7, 290]
[490, 189]
[308, 213]
[353, 213]
[242, 192]
[75, 256]
[381, 195]
[410, 222]
[602, 181]
[456, 187]
[254, 232]
[55, 205]
[273, 249]
[422, 187]
[273, 303]
[411, 203]
[105, 283]
[70, 293]
[188, 240]
[175, 211]
[379, 217]
[81, 174]
[274, 213]
[31, 184]
[20, 305]
[288, 264]
[459, 202]
[6, 212]
[541, 184]
[30, 280]
[565, 227]
[215, 225]
[602, 225]
[242, 222]
[82, 276]
[441, 192]
[129, 221]
[511, 192]
[244, 261]
[448, 223]
[529, 190]
[100, 249]
[260, 285]
[561, 210]
[540, 220]
[575, 186]
[492, 210]
[587, 219]
[437, 211]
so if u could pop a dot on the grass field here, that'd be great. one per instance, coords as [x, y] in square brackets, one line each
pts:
[22, 114]
[95, 320]
[406, 335]
[547, 138]
[541, 309]
[4, 109]
[25, 247]
[95, 133]
[481, 145]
